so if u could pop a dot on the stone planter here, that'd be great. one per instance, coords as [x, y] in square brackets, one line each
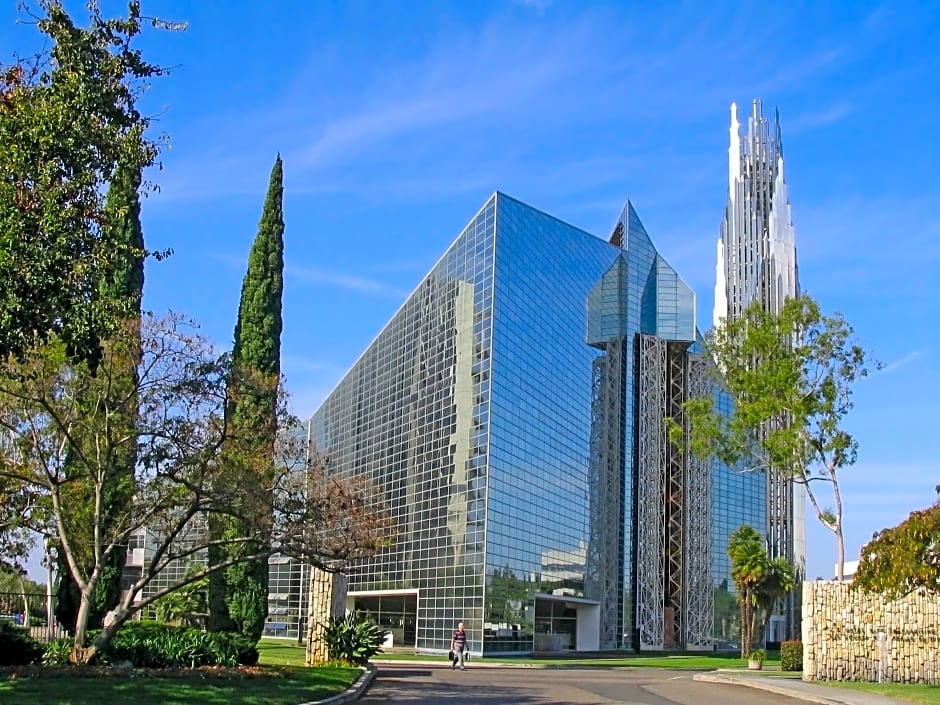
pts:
[754, 665]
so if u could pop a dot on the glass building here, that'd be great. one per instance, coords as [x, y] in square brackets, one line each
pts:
[757, 261]
[513, 414]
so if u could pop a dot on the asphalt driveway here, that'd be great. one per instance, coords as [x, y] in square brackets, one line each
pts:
[479, 685]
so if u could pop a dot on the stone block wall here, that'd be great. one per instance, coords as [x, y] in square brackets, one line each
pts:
[858, 636]
[327, 599]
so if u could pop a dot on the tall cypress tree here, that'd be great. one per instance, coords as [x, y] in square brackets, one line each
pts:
[238, 596]
[122, 284]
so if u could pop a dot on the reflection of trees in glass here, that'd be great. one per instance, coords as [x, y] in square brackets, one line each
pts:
[506, 597]
[726, 613]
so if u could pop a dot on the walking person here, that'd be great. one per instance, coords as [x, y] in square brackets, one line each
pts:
[458, 644]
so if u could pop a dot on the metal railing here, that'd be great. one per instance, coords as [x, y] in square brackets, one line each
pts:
[32, 611]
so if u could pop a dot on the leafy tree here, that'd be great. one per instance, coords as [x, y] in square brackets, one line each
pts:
[68, 117]
[791, 376]
[180, 398]
[121, 281]
[238, 598]
[188, 606]
[749, 566]
[15, 581]
[726, 613]
[903, 558]
[777, 584]
[760, 582]
[19, 509]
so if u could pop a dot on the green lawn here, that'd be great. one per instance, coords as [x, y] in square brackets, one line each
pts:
[285, 653]
[911, 692]
[701, 662]
[275, 652]
[263, 686]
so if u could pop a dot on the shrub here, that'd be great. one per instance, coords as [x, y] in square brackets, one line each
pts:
[246, 652]
[17, 647]
[758, 655]
[57, 652]
[353, 639]
[791, 656]
[155, 645]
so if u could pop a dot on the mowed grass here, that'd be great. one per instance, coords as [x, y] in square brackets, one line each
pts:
[694, 661]
[275, 652]
[919, 693]
[280, 679]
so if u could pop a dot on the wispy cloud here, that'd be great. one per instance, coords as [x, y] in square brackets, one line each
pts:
[299, 363]
[818, 118]
[843, 241]
[352, 282]
[901, 362]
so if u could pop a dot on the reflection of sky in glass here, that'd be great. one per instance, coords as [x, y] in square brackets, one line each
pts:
[472, 411]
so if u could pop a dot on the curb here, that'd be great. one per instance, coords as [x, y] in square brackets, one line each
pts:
[353, 692]
[766, 684]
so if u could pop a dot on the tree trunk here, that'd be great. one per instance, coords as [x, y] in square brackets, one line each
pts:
[81, 654]
[840, 552]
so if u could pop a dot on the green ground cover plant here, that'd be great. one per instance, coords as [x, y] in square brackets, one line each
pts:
[919, 693]
[207, 686]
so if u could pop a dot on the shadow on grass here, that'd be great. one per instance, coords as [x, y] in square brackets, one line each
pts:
[268, 686]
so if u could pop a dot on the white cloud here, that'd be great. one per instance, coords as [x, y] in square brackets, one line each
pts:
[901, 362]
[352, 282]
[816, 119]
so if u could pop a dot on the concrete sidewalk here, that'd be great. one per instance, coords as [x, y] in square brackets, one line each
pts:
[796, 688]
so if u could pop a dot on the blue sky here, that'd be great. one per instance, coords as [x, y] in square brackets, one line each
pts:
[396, 120]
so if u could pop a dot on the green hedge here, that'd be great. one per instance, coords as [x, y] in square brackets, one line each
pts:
[791, 656]
[156, 645]
[17, 647]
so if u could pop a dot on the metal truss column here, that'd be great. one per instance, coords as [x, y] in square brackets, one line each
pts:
[650, 487]
[605, 548]
[674, 499]
[699, 602]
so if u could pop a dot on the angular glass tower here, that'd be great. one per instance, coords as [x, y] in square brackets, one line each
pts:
[513, 414]
[757, 260]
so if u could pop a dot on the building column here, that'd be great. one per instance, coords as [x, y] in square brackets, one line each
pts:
[327, 600]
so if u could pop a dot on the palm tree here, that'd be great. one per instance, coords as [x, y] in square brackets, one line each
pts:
[777, 584]
[749, 570]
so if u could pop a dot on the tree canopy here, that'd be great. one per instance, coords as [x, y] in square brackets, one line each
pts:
[238, 598]
[68, 117]
[179, 397]
[790, 376]
[906, 557]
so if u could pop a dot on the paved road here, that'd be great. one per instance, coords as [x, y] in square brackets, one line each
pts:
[479, 685]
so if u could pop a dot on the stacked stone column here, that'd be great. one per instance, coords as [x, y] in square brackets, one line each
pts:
[327, 599]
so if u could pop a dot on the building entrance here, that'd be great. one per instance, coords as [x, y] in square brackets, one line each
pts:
[566, 624]
[398, 613]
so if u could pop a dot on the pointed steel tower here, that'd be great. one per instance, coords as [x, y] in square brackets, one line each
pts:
[757, 260]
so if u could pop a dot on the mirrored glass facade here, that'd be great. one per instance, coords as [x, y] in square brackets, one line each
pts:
[513, 414]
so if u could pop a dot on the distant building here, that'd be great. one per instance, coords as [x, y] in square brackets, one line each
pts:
[849, 568]
[757, 261]
[513, 414]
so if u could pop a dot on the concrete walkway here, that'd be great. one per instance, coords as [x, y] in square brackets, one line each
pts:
[778, 685]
